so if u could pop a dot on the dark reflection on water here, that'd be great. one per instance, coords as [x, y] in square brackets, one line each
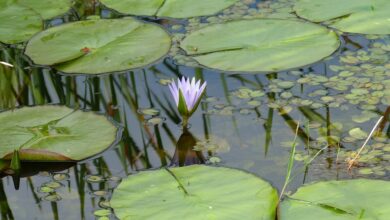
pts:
[184, 153]
[247, 133]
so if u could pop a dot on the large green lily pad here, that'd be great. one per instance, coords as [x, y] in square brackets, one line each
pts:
[194, 192]
[17, 23]
[169, 8]
[260, 45]
[99, 46]
[21, 19]
[339, 200]
[54, 133]
[48, 8]
[354, 16]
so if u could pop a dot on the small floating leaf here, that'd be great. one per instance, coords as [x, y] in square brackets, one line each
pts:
[358, 133]
[53, 185]
[60, 176]
[102, 212]
[52, 197]
[149, 111]
[285, 84]
[155, 121]
[215, 160]
[46, 189]
[365, 171]
[100, 193]
[95, 179]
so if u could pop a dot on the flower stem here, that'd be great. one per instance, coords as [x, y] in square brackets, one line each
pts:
[185, 122]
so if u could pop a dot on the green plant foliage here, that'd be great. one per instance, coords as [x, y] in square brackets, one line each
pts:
[194, 192]
[21, 19]
[169, 8]
[342, 200]
[355, 16]
[260, 45]
[99, 46]
[47, 8]
[53, 133]
[17, 22]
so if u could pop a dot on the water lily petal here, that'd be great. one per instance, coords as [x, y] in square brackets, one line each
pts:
[191, 89]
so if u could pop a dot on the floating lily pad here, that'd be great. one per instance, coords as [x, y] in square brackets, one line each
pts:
[47, 8]
[17, 22]
[355, 16]
[54, 133]
[99, 46]
[169, 8]
[194, 192]
[20, 20]
[358, 133]
[260, 45]
[342, 200]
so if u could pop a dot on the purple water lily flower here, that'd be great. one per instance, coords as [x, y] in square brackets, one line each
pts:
[187, 94]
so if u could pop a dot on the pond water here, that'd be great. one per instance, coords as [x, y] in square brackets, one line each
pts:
[245, 121]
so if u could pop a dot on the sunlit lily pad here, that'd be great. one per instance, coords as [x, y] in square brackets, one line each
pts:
[355, 16]
[99, 46]
[260, 45]
[54, 133]
[194, 192]
[342, 200]
[17, 23]
[169, 8]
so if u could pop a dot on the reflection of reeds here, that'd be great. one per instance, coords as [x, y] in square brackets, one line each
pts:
[6, 212]
[7, 88]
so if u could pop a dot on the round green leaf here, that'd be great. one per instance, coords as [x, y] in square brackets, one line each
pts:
[260, 45]
[54, 133]
[48, 8]
[169, 8]
[358, 133]
[339, 200]
[194, 192]
[17, 23]
[355, 16]
[99, 46]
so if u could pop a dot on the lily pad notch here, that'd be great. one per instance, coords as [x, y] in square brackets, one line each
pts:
[54, 133]
[99, 46]
[169, 8]
[260, 45]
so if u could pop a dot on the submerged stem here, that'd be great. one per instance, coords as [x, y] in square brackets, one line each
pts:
[185, 122]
